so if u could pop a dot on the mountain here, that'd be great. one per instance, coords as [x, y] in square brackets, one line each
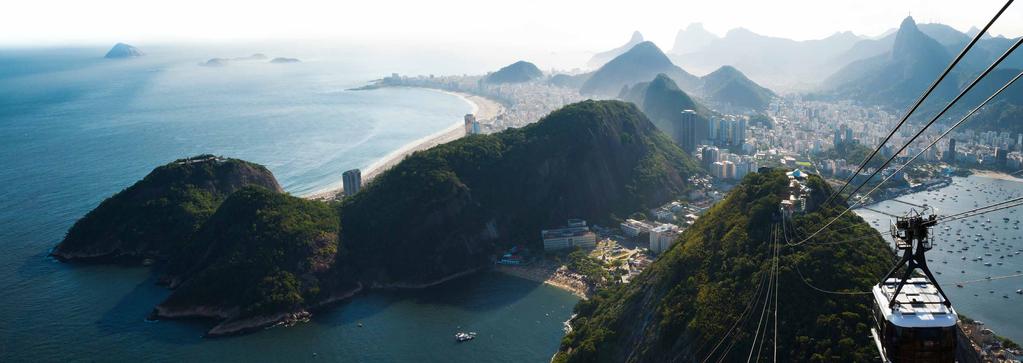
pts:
[264, 257]
[684, 303]
[692, 39]
[663, 102]
[777, 62]
[121, 50]
[150, 218]
[896, 78]
[602, 58]
[261, 257]
[517, 72]
[441, 213]
[640, 64]
[728, 86]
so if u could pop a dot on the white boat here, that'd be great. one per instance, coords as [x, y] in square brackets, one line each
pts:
[463, 336]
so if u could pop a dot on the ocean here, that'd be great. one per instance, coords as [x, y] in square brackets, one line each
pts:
[76, 128]
[994, 238]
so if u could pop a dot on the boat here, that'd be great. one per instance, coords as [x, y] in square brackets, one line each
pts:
[463, 336]
[1020, 291]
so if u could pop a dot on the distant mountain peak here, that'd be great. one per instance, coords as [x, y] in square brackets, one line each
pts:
[907, 23]
[122, 50]
[636, 37]
[693, 38]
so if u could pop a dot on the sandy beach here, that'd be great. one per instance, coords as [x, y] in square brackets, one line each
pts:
[997, 175]
[485, 109]
[547, 273]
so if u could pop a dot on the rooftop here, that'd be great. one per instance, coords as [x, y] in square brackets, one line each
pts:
[919, 304]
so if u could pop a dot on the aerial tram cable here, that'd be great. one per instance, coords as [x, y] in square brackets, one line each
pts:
[1011, 203]
[746, 318]
[755, 298]
[777, 262]
[934, 119]
[920, 100]
[763, 311]
[921, 152]
[949, 131]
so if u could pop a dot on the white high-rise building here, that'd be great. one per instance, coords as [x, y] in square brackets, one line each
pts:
[351, 182]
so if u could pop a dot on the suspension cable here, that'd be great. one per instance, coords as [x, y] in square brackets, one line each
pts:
[920, 100]
[934, 119]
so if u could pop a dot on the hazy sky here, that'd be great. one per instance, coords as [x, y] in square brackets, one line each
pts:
[565, 24]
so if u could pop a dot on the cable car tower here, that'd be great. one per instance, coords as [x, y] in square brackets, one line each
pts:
[915, 319]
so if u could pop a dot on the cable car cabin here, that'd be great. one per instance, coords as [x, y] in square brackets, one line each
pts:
[919, 328]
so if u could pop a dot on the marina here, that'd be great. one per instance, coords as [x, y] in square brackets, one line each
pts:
[987, 284]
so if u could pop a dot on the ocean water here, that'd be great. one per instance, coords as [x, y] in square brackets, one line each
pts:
[76, 128]
[995, 301]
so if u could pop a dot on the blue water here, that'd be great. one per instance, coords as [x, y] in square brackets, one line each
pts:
[76, 128]
[993, 302]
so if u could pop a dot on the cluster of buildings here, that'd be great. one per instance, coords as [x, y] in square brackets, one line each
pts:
[724, 165]
[797, 194]
[574, 234]
[524, 102]
[992, 149]
[660, 235]
[727, 131]
[472, 125]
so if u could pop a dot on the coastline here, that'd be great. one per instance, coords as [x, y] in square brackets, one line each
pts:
[483, 108]
[546, 273]
[995, 175]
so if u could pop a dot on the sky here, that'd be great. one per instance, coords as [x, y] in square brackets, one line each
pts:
[570, 25]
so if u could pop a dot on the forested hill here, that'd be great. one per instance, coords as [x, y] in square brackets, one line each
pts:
[687, 301]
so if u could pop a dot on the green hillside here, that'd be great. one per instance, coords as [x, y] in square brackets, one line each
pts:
[689, 298]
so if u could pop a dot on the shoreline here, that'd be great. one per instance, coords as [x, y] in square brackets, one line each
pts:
[546, 274]
[995, 175]
[483, 108]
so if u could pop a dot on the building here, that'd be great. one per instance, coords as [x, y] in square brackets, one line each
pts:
[739, 134]
[351, 182]
[710, 156]
[469, 120]
[685, 131]
[950, 154]
[633, 228]
[662, 237]
[575, 234]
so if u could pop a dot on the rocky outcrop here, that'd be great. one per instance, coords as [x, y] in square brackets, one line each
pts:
[121, 50]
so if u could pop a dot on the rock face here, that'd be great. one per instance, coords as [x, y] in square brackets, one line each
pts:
[517, 72]
[121, 50]
[599, 59]
[640, 64]
[151, 218]
[686, 301]
[896, 78]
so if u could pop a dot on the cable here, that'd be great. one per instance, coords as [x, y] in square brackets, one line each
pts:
[977, 80]
[767, 304]
[763, 311]
[920, 100]
[828, 291]
[777, 262]
[756, 297]
[979, 208]
[1015, 203]
[950, 129]
[881, 212]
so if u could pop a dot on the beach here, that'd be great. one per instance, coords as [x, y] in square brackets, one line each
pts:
[547, 272]
[485, 110]
[997, 175]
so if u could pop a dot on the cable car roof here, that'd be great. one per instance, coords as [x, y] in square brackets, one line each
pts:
[919, 305]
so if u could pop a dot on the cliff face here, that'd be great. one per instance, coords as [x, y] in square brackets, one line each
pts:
[153, 217]
[456, 202]
[690, 297]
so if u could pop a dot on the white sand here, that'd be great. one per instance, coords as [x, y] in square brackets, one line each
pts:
[483, 108]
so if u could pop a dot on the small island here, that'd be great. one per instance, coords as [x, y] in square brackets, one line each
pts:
[284, 60]
[121, 50]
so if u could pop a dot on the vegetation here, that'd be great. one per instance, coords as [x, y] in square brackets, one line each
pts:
[642, 62]
[680, 307]
[663, 102]
[262, 251]
[150, 218]
[729, 86]
[517, 72]
[444, 210]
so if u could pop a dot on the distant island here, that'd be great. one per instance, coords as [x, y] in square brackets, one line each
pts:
[121, 50]
[280, 60]
[220, 62]
[238, 250]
